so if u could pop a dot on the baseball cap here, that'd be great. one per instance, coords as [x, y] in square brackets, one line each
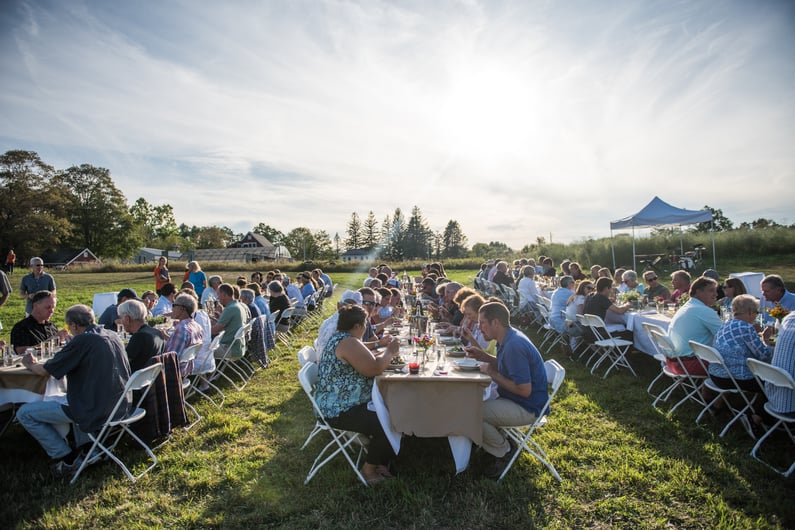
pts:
[711, 273]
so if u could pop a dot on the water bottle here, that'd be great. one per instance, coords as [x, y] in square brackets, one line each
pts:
[8, 360]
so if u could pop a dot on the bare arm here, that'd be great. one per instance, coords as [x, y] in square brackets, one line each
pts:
[31, 364]
[364, 361]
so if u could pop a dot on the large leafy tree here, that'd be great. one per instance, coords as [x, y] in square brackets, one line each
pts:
[370, 231]
[32, 204]
[355, 234]
[98, 211]
[494, 249]
[454, 242]
[305, 244]
[271, 234]
[156, 224]
[720, 222]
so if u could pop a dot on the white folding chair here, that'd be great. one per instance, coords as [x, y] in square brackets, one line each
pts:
[771, 378]
[659, 356]
[524, 435]
[689, 383]
[283, 332]
[307, 355]
[550, 333]
[710, 355]
[227, 360]
[202, 381]
[114, 429]
[186, 360]
[613, 350]
[342, 442]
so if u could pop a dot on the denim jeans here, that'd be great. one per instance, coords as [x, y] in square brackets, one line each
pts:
[40, 420]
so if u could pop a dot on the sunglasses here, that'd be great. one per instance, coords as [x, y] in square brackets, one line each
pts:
[368, 303]
[652, 279]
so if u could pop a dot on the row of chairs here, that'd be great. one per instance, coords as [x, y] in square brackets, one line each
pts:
[695, 387]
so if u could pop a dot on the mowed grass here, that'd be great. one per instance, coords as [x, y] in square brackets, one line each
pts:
[623, 463]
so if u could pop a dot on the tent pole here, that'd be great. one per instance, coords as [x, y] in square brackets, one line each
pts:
[714, 257]
[613, 249]
[634, 268]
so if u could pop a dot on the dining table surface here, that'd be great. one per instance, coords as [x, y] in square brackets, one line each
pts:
[18, 384]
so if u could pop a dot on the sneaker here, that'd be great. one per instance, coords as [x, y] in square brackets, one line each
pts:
[63, 470]
[498, 464]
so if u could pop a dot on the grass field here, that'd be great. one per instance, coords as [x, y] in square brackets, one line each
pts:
[623, 463]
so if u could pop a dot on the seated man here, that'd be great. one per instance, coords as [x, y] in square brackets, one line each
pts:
[782, 399]
[654, 289]
[428, 292]
[696, 320]
[502, 277]
[775, 293]
[680, 281]
[111, 313]
[37, 328]
[167, 294]
[576, 272]
[528, 290]
[560, 299]
[98, 369]
[519, 372]
[599, 304]
[210, 292]
[149, 298]
[145, 341]
[232, 318]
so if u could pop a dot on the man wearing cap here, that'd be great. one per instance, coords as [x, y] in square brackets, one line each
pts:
[428, 292]
[35, 328]
[36, 281]
[111, 313]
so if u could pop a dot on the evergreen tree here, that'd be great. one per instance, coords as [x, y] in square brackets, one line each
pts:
[354, 239]
[370, 231]
[454, 242]
[417, 237]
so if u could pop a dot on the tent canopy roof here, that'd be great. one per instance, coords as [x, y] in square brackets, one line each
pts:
[660, 213]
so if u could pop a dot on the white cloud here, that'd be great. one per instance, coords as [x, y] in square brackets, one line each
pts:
[536, 117]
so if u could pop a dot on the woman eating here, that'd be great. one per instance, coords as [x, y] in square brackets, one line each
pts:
[345, 382]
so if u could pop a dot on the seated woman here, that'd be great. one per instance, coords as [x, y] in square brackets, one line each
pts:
[384, 310]
[737, 341]
[278, 300]
[469, 326]
[731, 288]
[576, 306]
[345, 382]
[599, 304]
[307, 287]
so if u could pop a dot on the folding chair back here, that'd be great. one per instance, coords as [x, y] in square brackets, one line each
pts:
[773, 379]
[307, 355]
[342, 441]
[115, 428]
[710, 355]
[691, 384]
[614, 350]
[186, 367]
[523, 435]
[660, 357]
[227, 360]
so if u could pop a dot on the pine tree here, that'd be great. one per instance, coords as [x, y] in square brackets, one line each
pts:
[354, 239]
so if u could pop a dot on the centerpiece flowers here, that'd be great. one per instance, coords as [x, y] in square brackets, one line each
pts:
[778, 312]
[424, 342]
[630, 297]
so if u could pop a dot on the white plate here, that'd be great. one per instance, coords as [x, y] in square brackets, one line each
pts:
[449, 341]
[467, 365]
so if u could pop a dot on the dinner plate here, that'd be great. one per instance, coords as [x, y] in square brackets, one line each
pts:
[396, 367]
[467, 365]
[450, 340]
[456, 352]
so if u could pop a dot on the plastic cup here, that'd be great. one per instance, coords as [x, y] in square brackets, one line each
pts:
[414, 368]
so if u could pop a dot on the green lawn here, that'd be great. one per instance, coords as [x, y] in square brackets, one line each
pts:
[623, 463]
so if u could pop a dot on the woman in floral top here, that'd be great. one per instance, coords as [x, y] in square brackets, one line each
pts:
[345, 381]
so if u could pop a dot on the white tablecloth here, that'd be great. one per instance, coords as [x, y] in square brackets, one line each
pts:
[640, 337]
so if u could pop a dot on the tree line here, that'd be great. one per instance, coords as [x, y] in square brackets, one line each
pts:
[42, 208]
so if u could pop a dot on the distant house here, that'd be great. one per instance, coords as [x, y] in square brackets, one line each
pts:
[148, 255]
[252, 248]
[65, 258]
[358, 254]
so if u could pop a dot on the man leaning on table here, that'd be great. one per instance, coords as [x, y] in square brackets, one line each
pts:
[521, 378]
[97, 368]
[36, 328]
[696, 320]
[775, 293]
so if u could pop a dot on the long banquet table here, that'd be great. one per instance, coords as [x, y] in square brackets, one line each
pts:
[641, 339]
[431, 404]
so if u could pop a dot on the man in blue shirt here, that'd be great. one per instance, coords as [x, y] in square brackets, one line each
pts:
[774, 292]
[696, 320]
[521, 378]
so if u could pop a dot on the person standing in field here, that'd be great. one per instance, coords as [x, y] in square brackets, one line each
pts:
[11, 258]
[36, 281]
[162, 276]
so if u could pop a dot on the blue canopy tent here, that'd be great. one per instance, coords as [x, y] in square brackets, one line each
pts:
[660, 213]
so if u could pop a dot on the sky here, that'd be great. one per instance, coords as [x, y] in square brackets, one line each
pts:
[518, 119]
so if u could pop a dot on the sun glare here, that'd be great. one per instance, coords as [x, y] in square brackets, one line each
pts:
[487, 114]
